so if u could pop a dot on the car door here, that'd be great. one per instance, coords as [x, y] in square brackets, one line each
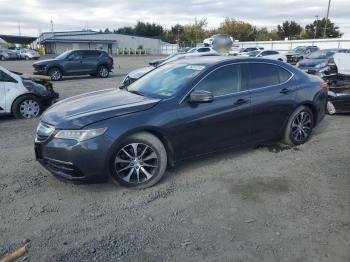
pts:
[8, 91]
[90, 60]
[222, 123]
[272, 97]
[73, 64]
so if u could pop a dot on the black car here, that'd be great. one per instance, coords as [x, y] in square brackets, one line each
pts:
[76, 62]
[186, 108]
[299, 53]
[320, 61]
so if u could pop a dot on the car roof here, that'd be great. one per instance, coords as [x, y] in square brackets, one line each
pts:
[215, 60]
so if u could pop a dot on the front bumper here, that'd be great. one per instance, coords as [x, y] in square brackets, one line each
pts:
[75, 161]
[40, 70]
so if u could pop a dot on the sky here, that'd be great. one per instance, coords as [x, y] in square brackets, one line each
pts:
[35, 16]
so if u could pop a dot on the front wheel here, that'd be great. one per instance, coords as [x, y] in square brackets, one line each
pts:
[299, 127]
[139, 162]
[55, 74]
[103, 71]
[27, 106]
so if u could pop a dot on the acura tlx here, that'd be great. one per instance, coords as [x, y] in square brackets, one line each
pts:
[182, 109]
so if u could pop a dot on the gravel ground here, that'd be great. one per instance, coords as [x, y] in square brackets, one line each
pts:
[264, 204]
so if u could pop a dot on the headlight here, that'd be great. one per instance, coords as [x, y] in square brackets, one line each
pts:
[80, 135]
[297, 64]
[321, 65]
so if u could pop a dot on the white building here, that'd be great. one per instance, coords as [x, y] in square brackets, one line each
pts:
[59, 42]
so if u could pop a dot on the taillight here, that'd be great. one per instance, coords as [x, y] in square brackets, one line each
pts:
[324, 86]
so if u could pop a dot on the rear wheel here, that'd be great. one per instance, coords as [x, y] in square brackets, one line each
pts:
[103, 71]
[27, 106]
[2, 58]
[55, 74]
[299, 127]
[139, 162]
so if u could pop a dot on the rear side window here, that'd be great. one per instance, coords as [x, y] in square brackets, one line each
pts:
[262, 75]
[91, 54]
[222, 81]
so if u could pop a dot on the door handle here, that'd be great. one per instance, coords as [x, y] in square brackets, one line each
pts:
[284, 90]
[241, 101]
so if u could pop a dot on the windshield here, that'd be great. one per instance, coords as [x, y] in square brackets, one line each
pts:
[322, 54]
[63, 55]
[165, 81]
[253, 53]
[299, 49]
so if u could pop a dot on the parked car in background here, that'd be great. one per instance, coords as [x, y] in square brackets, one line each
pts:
[270, 54]
[187, 108]
[246, 50]
[201, 50]
[234, 50]
[195, 51]
[76, 62]
[24, 97]
[216, 41]
[320, 61]
[157, 62]
[299, 53]
[7, 54]
[27, 54]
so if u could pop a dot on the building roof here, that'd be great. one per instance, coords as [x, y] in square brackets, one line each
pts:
[14, 39]
[76, 40]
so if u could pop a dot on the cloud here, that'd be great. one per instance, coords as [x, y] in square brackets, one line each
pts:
[34, 16]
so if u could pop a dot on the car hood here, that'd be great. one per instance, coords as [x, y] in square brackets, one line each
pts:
[136, 74]
[311, 62]
[294, 54]
[79, 111]
[43, 62]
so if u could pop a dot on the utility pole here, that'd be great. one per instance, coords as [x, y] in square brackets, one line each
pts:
[51, 27]
[19, 27]
[316, 26]
[325, 26]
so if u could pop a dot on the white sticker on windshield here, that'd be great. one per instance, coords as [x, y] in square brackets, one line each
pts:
[195, 67]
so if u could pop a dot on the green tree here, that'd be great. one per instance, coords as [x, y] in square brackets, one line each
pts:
[195, 32]
[289, 29]
[125, 30]
[316, 29]
[148, 29]
[240, 30]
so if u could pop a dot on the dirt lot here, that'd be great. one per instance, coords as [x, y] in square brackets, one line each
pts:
[250, 205]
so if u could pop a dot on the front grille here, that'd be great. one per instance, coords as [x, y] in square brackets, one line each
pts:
[43, 132]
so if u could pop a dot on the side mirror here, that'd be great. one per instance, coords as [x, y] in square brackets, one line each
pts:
[201, 96]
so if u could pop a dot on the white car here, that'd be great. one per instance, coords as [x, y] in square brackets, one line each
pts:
[200, 50]
[245, 50]
[24, 97]
[27, 54]
[270, 54]
[234, 50]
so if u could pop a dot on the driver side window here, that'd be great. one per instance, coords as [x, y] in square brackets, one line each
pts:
[222, 81]
[76, 56]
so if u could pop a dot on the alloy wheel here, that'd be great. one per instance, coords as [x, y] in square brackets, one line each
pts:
[55, 75]
[103, 71]
[29, 108]
[136, 163]
[301, 126]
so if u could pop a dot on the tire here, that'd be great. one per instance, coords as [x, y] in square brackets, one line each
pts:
[144, 172]
[27, 58]
[2, 58]
[27, 106]
[103, 71]
[299, 126]
[55, 74]
[331, 108]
